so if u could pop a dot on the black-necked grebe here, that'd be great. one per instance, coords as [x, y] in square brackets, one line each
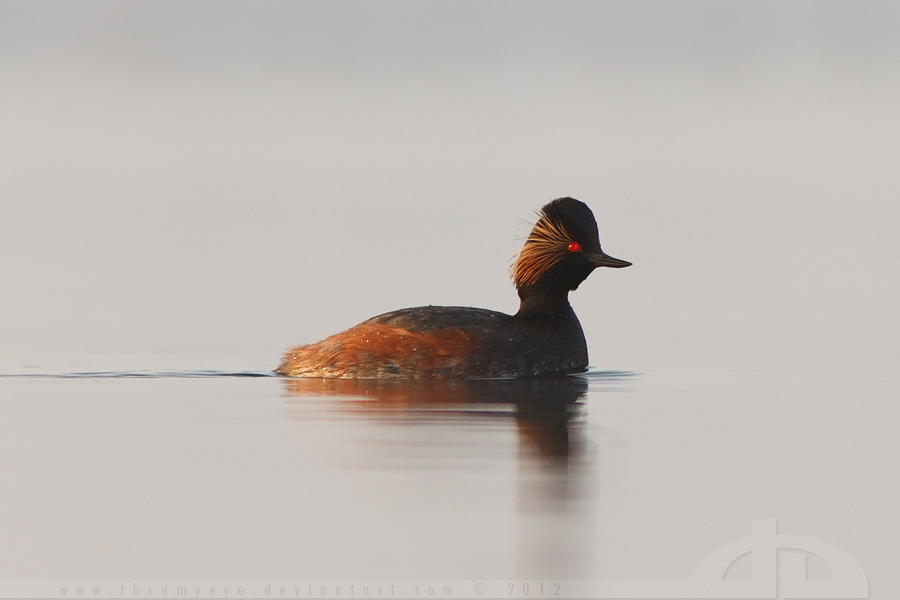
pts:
[430, 342]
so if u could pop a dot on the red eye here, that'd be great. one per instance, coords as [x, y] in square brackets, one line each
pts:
[574, 247]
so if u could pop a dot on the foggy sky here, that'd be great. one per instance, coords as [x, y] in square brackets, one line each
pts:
[220, 176]
[441, 39]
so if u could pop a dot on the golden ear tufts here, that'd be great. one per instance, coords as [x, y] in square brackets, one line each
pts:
[545, 246]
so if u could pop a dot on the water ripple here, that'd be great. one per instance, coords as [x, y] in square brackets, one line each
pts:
[139, 375]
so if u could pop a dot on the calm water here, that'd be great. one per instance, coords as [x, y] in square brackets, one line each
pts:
[124, 477]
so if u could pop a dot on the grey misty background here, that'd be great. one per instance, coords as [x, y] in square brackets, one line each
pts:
[218, 180]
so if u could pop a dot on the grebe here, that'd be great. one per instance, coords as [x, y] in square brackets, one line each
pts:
[432, 342]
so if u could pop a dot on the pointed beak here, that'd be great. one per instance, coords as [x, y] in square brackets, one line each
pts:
[599, 259]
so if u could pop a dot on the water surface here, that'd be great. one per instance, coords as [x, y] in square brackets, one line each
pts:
[245, 476]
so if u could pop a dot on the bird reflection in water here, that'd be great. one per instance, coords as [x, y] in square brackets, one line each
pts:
[543, 408]
[553, 475]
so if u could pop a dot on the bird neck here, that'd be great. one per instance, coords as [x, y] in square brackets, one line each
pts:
[536, 302]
